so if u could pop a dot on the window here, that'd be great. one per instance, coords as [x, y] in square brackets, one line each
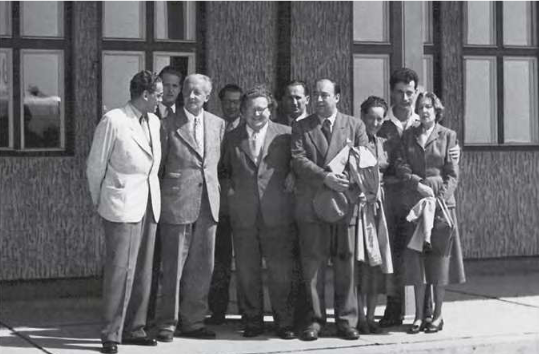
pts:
[35, 117]
[378, 47]
[500, 73]
[144, 36]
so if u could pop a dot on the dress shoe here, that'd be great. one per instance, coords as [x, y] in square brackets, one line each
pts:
[215, 320]
[426, 322]
[432, 328]
[251, 332]
[164, 335]
[386, 322]
[201, 333]
[416, 327]
[286, 333]
[110, 348]
[144, 341]
[374, 328]
[309, 335]
[348, 333]
[363, 328]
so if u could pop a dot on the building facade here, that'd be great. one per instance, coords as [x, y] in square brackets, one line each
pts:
[63, 64]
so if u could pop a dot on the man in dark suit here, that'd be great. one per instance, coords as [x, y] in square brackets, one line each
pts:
[190, 209]
[316, 140]
[218, 299]
[122, 176]
[255, 163]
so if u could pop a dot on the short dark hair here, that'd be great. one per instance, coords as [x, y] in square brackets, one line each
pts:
[403, 75]
[297, 83]
[336, 86]
[436, 103]
[143, 81]
[229, 88]
[169, 69]
[258, 91]
[372, 102]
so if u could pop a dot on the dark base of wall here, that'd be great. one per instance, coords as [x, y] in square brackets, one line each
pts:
[50, 288]
[91, 287]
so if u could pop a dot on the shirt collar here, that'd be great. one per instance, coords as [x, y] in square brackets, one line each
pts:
[137, 113]
[261, 132]
[163, 109]
[234, 124]
[411, 121]
[330, 118]
[192, 117]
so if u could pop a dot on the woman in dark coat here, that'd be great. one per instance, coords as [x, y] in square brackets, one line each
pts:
[429, 171]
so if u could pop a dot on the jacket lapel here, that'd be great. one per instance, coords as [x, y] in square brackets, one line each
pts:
[136, 130]
[211, 133]
[433, 136]
[338, 138]
[182, 128]
[244, 143]
[270, 134]
[317, 137]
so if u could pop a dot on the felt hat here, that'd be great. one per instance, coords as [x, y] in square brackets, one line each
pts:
[329, 205]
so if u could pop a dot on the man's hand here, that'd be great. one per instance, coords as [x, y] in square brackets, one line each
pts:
[425, 190]
[337, 182]
[290, 183]
[454, 153]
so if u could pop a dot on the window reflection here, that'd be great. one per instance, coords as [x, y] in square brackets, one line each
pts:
[42, 87]
[5, 18]
[123, 19]
[118, 69]
[42, 18]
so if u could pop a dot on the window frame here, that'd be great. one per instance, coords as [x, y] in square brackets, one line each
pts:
[150, 45]
[498, 50]
[17, 43]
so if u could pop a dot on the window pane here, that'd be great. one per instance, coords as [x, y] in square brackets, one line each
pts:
[427, 21]
[519, 27]
[175, 20]
[118, 70]
[520, 100]
[42, 18]
[371, 77]
[479, 23]
[371, 21]
[427, 73]
[42, 92]
[123, 19]
[480, 114]
[5, 18]
[6, 100]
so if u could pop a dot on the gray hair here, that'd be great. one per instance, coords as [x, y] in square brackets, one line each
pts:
[201, 77]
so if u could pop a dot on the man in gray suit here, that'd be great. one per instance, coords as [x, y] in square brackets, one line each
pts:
[316, 140]
[255, 164]
[191, 143]
[122, 175]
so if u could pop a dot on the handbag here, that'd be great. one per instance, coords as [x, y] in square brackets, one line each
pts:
[443, 231]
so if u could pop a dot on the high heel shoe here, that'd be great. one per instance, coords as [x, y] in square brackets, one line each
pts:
[416, 328]
[432, 328]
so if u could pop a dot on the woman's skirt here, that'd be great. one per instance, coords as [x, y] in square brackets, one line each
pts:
[429, 268]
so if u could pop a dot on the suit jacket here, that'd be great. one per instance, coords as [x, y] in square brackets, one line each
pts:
[122, 168]
[185, 174]
[253, 188]
[431, 165]
[311, 154]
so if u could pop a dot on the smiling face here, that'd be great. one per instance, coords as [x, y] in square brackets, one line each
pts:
[373, 120]
[196, 92]
[171, 88]
[325, 99]
[256, 112]
[426, 112]
[295, 101]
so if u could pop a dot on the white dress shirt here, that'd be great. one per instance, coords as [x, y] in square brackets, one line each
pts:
[256, 140]
[331, 120]
[198, 134]
[163, 109]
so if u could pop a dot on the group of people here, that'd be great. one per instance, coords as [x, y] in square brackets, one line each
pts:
[180, 190]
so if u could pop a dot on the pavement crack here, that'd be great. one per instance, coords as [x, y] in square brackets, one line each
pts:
[492, 298]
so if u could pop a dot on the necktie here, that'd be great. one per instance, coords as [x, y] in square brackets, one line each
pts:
[168, 112]
[253, 146]
[326, 129]
[198, 134]
[144, 124]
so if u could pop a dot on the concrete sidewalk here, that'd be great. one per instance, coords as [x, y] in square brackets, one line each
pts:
[496, 311]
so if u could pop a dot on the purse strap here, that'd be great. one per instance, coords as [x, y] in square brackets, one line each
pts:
[445, 211]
